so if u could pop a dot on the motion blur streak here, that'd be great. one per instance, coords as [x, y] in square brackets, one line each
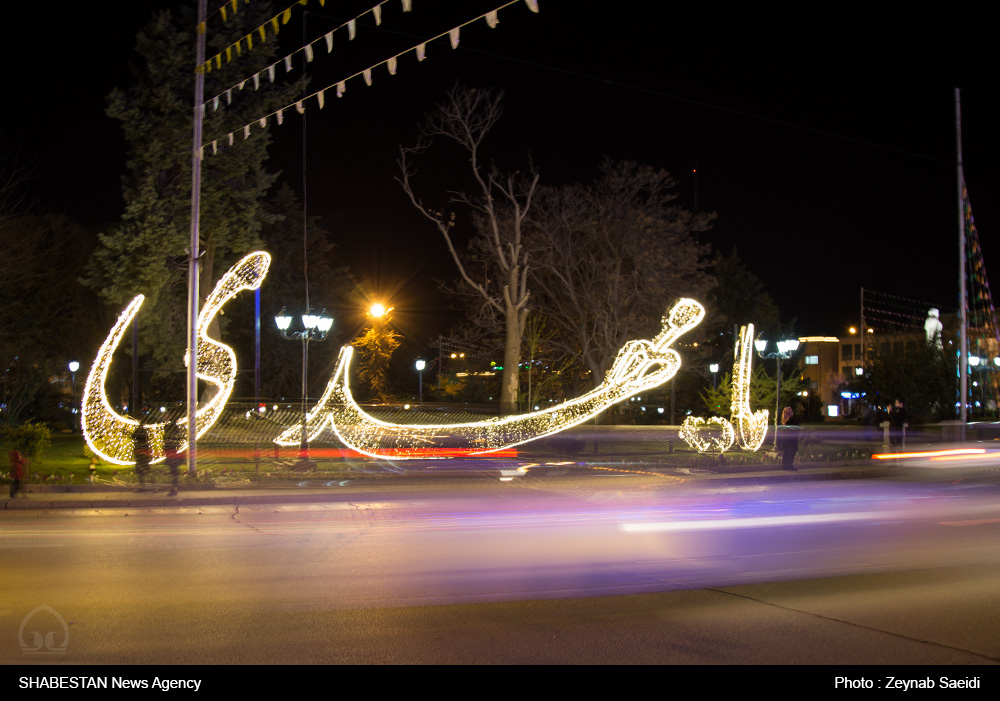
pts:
[761, 522]
[929, 453]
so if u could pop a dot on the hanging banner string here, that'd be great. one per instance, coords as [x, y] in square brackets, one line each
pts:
[228, 9]
[340, 87]
[282, 18]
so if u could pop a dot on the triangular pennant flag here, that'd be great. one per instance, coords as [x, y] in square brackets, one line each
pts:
[229, 54]
[329, 41]
[286, 15]
[341, 88]
[352, 28]
[391, 64]
[229, 97]
[299, 108]
[321, 98]
[239, 48]
[288, 64]
[201, 153]
[453, 35]
[230, 138]
[281, 116]
[421, 51]
[270, 72]
[215, 148]
[233, 2]
[224, 18]
[262, 30]
[256, 81]
[309, 53]
[215, 103]
[218, 60]
[368, 76]
[263, 122]
[274, 25]
[246, 132]
[491, 19]
[532, 5]
[407, 5]
[242, 83]
[249, 38]
[377, 11]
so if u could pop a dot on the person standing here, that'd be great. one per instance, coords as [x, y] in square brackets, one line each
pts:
[788, 438]
[897, 423]
[171, 447]
[141, 452]
[18, 471]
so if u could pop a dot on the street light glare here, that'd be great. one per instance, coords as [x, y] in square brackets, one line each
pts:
[377, 310]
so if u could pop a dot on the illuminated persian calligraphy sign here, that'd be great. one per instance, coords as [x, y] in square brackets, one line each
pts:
[747, 428]
[641, 365]
[109, 434]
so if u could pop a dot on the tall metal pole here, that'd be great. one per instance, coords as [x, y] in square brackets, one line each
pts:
[963, 316]
[194, 249]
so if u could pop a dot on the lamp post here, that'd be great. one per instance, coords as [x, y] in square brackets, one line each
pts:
[714, 369]
[420, 374]
[73, 367]
[783, 350]
[315, 328]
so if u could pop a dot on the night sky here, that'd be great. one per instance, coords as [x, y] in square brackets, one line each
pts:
[824, 137]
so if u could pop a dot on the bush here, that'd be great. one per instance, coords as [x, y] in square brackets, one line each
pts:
[31, 439]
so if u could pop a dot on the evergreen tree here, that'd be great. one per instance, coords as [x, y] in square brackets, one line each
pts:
[146, 252]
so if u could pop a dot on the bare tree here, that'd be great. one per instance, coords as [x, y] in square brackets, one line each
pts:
[495, 268]
[609, 258]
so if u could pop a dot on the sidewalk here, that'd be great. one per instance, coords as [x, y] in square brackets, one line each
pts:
[88, 496]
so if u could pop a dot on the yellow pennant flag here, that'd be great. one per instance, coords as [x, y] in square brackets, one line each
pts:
[274, 24]
[229, 54]
[223, 10]
[238, 51]
[249, 38]
[218, 60]
[286, 15]
[233, 3]
[262, 31]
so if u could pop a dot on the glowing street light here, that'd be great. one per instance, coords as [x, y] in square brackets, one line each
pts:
[783, 350]
[421, 364]
[714, 369]
[315, 328]
[73, 367]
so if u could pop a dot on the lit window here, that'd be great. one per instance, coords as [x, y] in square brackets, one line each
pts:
[812, 360]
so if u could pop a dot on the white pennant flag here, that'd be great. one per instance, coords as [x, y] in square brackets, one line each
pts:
[281, 116]
[377, 11]
[215, 103]
[270, 72]
[299, 108]
[263, 122]
[215, 148]
[368, 76]
[453, 35]
[288, 64]
[242, 83]
[230, 138]
[407, 5]
[532, 5]
[421, 50]
[229, 97]
[201, 153]
[341, 88]
[309, 53]
[391, 63]
[321, 98]
[329, 41]
[246, 132]
[352, 28]
[491, 19]
[256, 81]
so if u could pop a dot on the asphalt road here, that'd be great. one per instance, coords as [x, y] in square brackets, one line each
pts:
[556, 570]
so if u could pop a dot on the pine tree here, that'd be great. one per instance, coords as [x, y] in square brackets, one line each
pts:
[147, 251]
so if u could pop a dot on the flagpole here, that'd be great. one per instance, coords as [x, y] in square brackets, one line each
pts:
[963, 313]
[194, 250]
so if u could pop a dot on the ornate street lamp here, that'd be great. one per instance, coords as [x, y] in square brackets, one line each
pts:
[73, 367]
[315, 328]
[779, 351]
[714, 369]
